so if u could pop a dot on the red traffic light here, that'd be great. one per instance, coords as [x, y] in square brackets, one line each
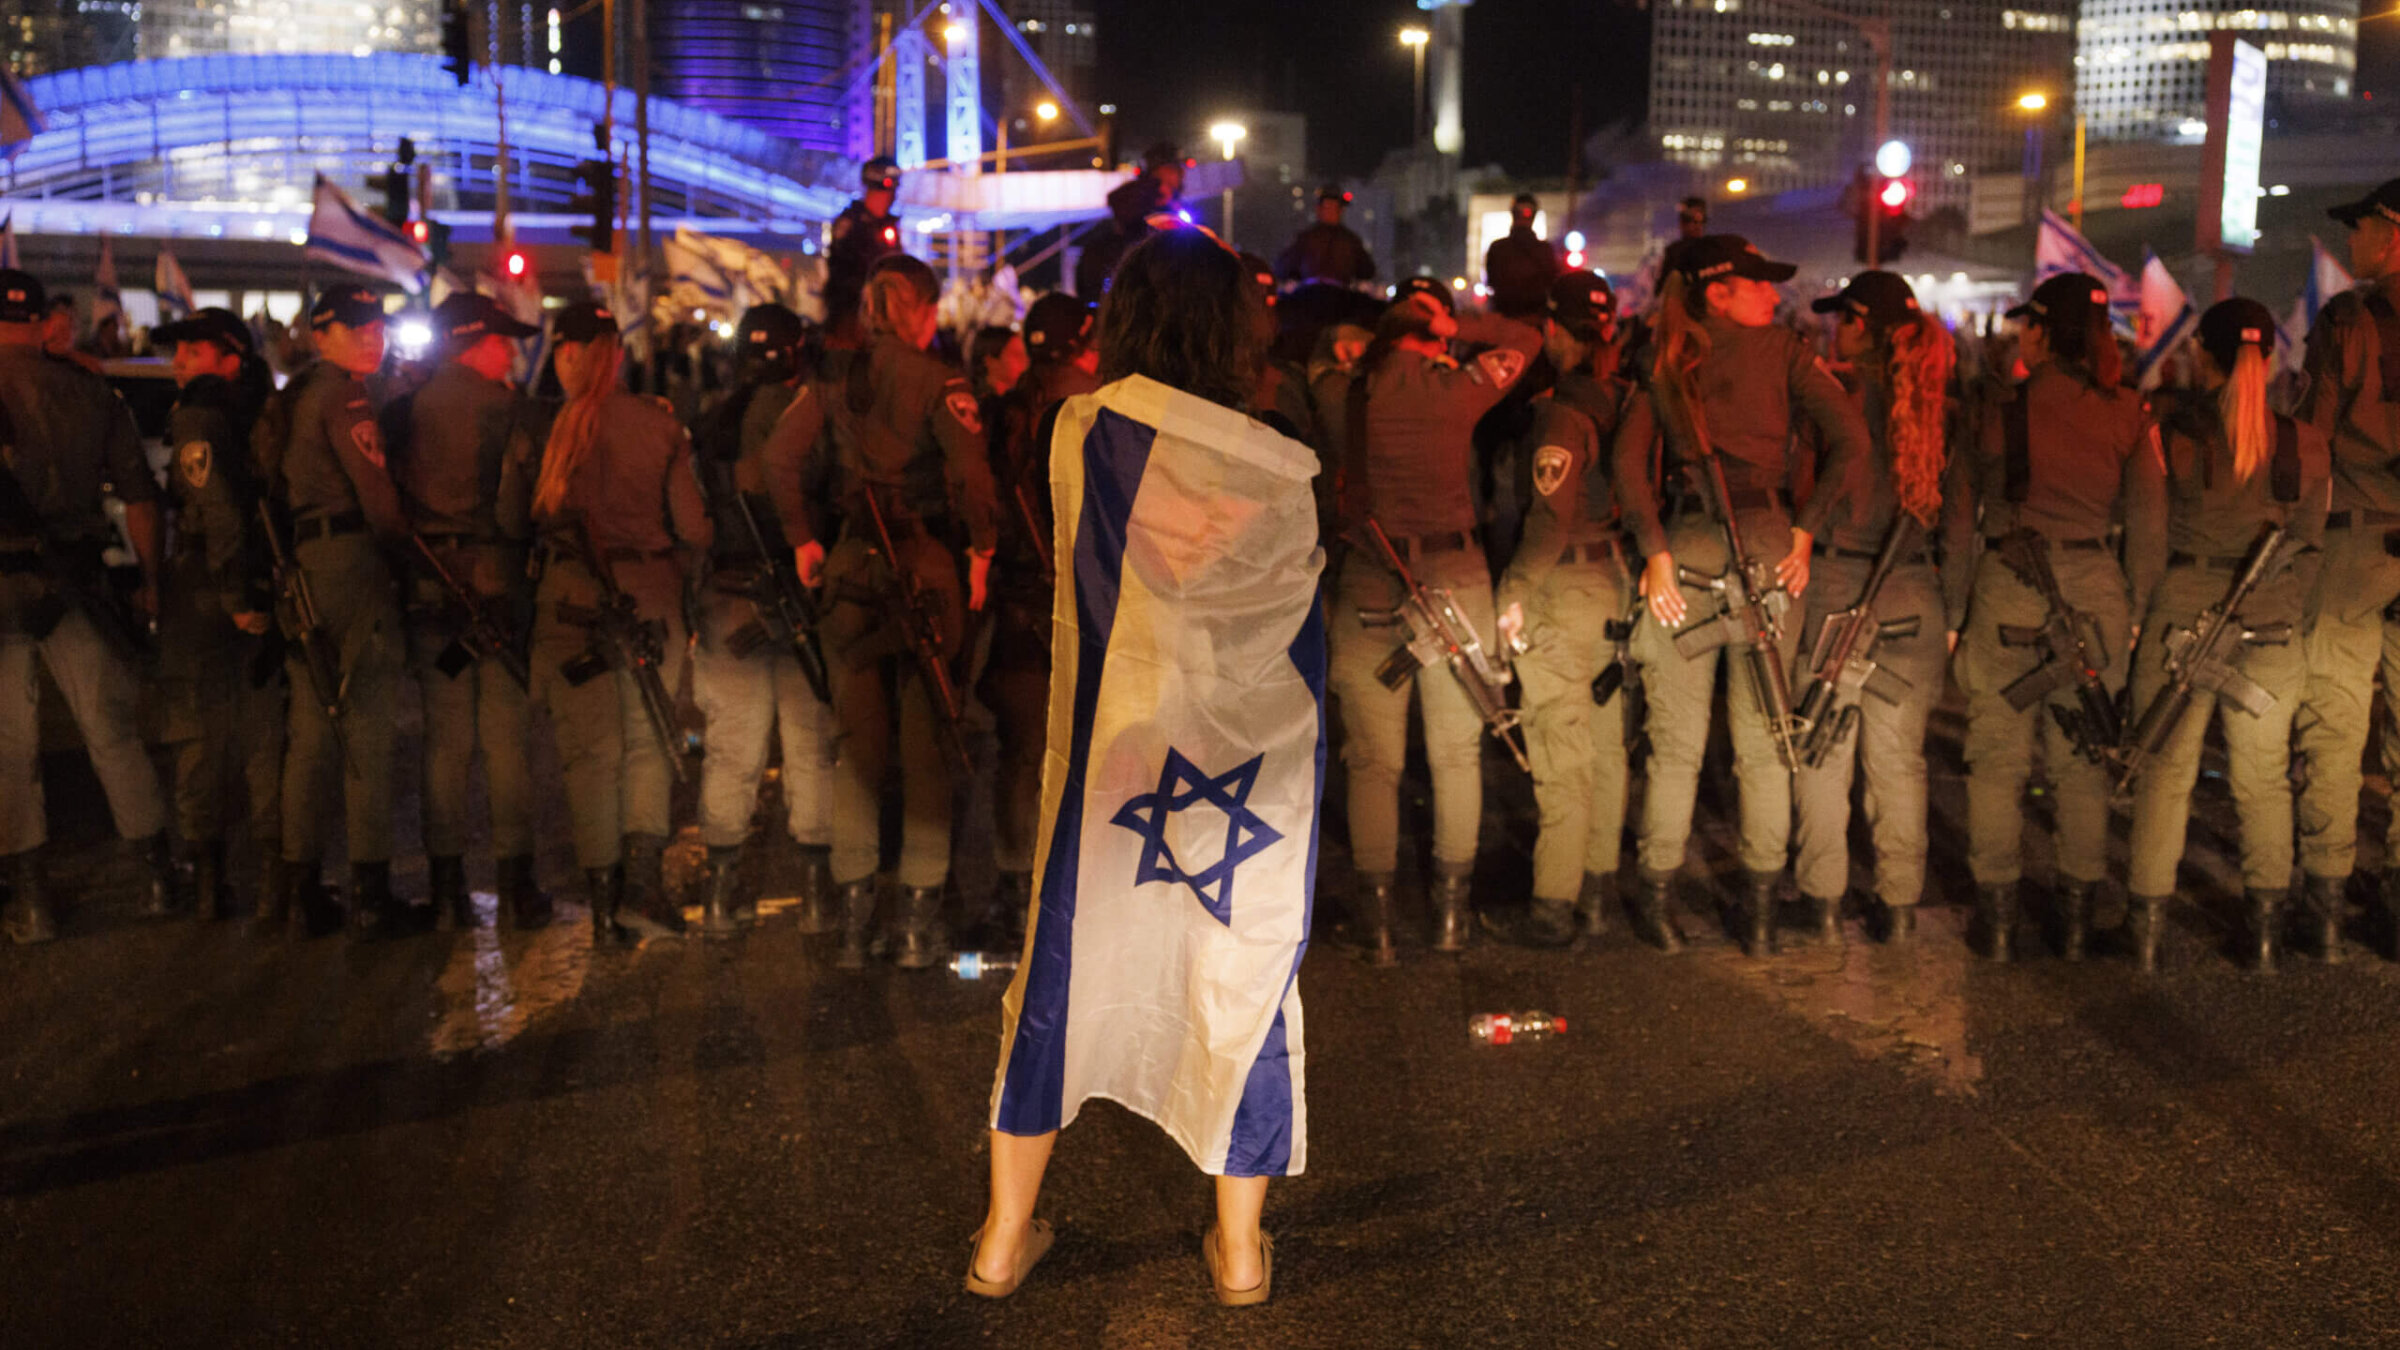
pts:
[515, 264]
[1895, 194]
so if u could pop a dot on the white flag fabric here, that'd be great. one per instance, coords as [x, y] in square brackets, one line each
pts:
[694, 280]
[1181, 787]
[172, 286]
[20, 121]
[2327, 278]
[2060, 247]
[2166, 319]
[351, 239]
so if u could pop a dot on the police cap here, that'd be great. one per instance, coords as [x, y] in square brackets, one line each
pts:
[2383, 201]
[355, 306]
[1425, 286]
[21, 298]
[767, 329]
[1582, 303]
[2230, 325]
[880, 172]
[469, 317]
[583, 321]
[1333, 192]
[2064, 301]
[1057, 327]
[1881, 298]
[1161, 155]
[219, 326]
[1714, 257]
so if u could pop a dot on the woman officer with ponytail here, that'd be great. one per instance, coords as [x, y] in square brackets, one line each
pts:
[2234, 471]
[1897, 363]
[2066, 454]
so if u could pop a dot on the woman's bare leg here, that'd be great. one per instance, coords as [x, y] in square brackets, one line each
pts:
[1018, 1161]
[1240, 1200]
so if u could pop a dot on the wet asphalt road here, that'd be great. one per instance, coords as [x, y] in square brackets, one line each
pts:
[501, 1139]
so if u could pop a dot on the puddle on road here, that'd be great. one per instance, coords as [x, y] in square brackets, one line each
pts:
[497, 984]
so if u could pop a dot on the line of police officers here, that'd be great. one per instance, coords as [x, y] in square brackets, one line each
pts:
[357, 541]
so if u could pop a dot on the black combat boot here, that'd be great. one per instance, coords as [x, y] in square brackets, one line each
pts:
[2328, 905]
[606, 889]
[918, 941]
[27, 918]
[816, 890]
[170, 885]
[1825, 919]
[2074, 919]
[446, 881]
[1546, 926]
[1450, 884]
[744, 904]
[310, 903]
[647, 909]
[528, 905]
[211, 895]
[1596, 903]
[1371, 910]
[2266, 927]
[272, 909]
[716, 917]
[375, 913]
[1996, 913]
[858, 921]
[1758, 913]
[2146, 924]
[1654, 913]
[1899, 923]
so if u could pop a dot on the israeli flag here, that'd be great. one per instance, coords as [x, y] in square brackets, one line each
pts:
[2060, 247]
[20, 120]
[2166, 319]
[351, 239]
[1177, 857]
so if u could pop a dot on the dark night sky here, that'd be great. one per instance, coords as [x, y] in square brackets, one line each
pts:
[1169, 64]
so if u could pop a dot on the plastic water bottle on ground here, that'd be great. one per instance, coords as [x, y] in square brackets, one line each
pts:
[1510, 1028]
[977, 965]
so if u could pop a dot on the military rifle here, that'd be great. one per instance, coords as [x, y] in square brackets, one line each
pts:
[304, 624]
[1622, 671]
[481, 633]
[622, 640]
[921, 627]
[1845, 667]
[2072, 652]
[1435, 632]
[786, 614]
[74, 576]
[1035, 533]
[2200, 658]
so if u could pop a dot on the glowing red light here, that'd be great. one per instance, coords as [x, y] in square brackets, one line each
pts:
[516, 264]
[2143, 194]
[1895, 194]
[418, 231]
[891, 235]
[1575, 259]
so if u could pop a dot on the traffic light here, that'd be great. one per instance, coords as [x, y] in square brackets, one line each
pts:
[395, 195]
[515, 265]
[434, 237]
[1891, 207]
[457, 41]
[598, 178]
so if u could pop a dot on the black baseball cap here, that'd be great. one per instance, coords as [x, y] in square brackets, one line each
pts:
[1525, 204]
[2230, 325]
[880, 172]
[1333, 192]
[1582, 302]
[1881, 298]
[2064, 301]
[2383, 201]
[21, 298]
[1057, 325]
[355, 306]
[1425, 286]
[1161, 155]
[220, 326]
[583, 321]
[770, 328]
[469, 317]
[1714, 257]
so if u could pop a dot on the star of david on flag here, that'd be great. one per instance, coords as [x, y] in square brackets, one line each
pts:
[1182, 787]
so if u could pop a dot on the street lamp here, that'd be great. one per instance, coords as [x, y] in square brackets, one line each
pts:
[1227, 134]
[2033, 102]
[1735, 187]
[1415, 39]
[1045, 111]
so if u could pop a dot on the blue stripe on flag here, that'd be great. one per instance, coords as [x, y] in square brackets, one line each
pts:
[1261, 1142]
[1116, 453]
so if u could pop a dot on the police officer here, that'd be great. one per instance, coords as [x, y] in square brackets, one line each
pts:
[1896, 361]
[906, 442]
[2065, 454]
[1130, 206]
[1401, 427]
[1519, 266]
[1016, 680]
[67, 439]
[450, 439]
[220, 707]
[615, 473]
[863, 233]
[750, 687]
[1328, 251]
[1564, 588]
[2353, 368]
[1721, 349]
[2234, 469]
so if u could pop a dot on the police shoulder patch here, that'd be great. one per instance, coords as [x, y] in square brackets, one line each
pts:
[368, 437]
[1503, 364]
[962, 407]
[193, 459]
[1550, 465]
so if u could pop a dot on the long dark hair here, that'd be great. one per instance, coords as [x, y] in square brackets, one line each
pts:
[2090, 345]
[1180, 311]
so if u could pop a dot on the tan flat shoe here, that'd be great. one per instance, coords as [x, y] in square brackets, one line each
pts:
[1037, 1245]
[1241, 1298]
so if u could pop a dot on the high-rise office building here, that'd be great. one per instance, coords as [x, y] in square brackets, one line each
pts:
[39, 36]
[2141, 65]
[1756, 91]
[1064, 37]
[207, 27]
[797, 68]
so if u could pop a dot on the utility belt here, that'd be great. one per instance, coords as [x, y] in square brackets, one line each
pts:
[465, 541]
[1591, 551]
[553, 554]
[1738, 500]
[308, 529]
[1412, 547]
[2062, 545]
[1913, 558]
[2364, 520]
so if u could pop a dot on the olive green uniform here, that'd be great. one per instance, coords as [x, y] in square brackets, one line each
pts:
[1414, 474]
[2090, 461]
[1569, 573]
[906, 428]
[2355, 405]
[345, 517]
[460, 429]
[73, 437]
[219, 708]
[1753, 385]
[1889, 742]
[637, 497]
[2213, 520]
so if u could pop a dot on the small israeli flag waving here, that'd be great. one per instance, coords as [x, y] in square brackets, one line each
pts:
[1177, 855]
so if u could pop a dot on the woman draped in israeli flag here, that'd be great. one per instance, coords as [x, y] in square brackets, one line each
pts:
[1186, 759]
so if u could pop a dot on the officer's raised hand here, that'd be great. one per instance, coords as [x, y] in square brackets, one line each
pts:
[1792, 572]
[252, 622]
[809, 561]
[979, 578]
[1511, 623]
[1663, 589]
